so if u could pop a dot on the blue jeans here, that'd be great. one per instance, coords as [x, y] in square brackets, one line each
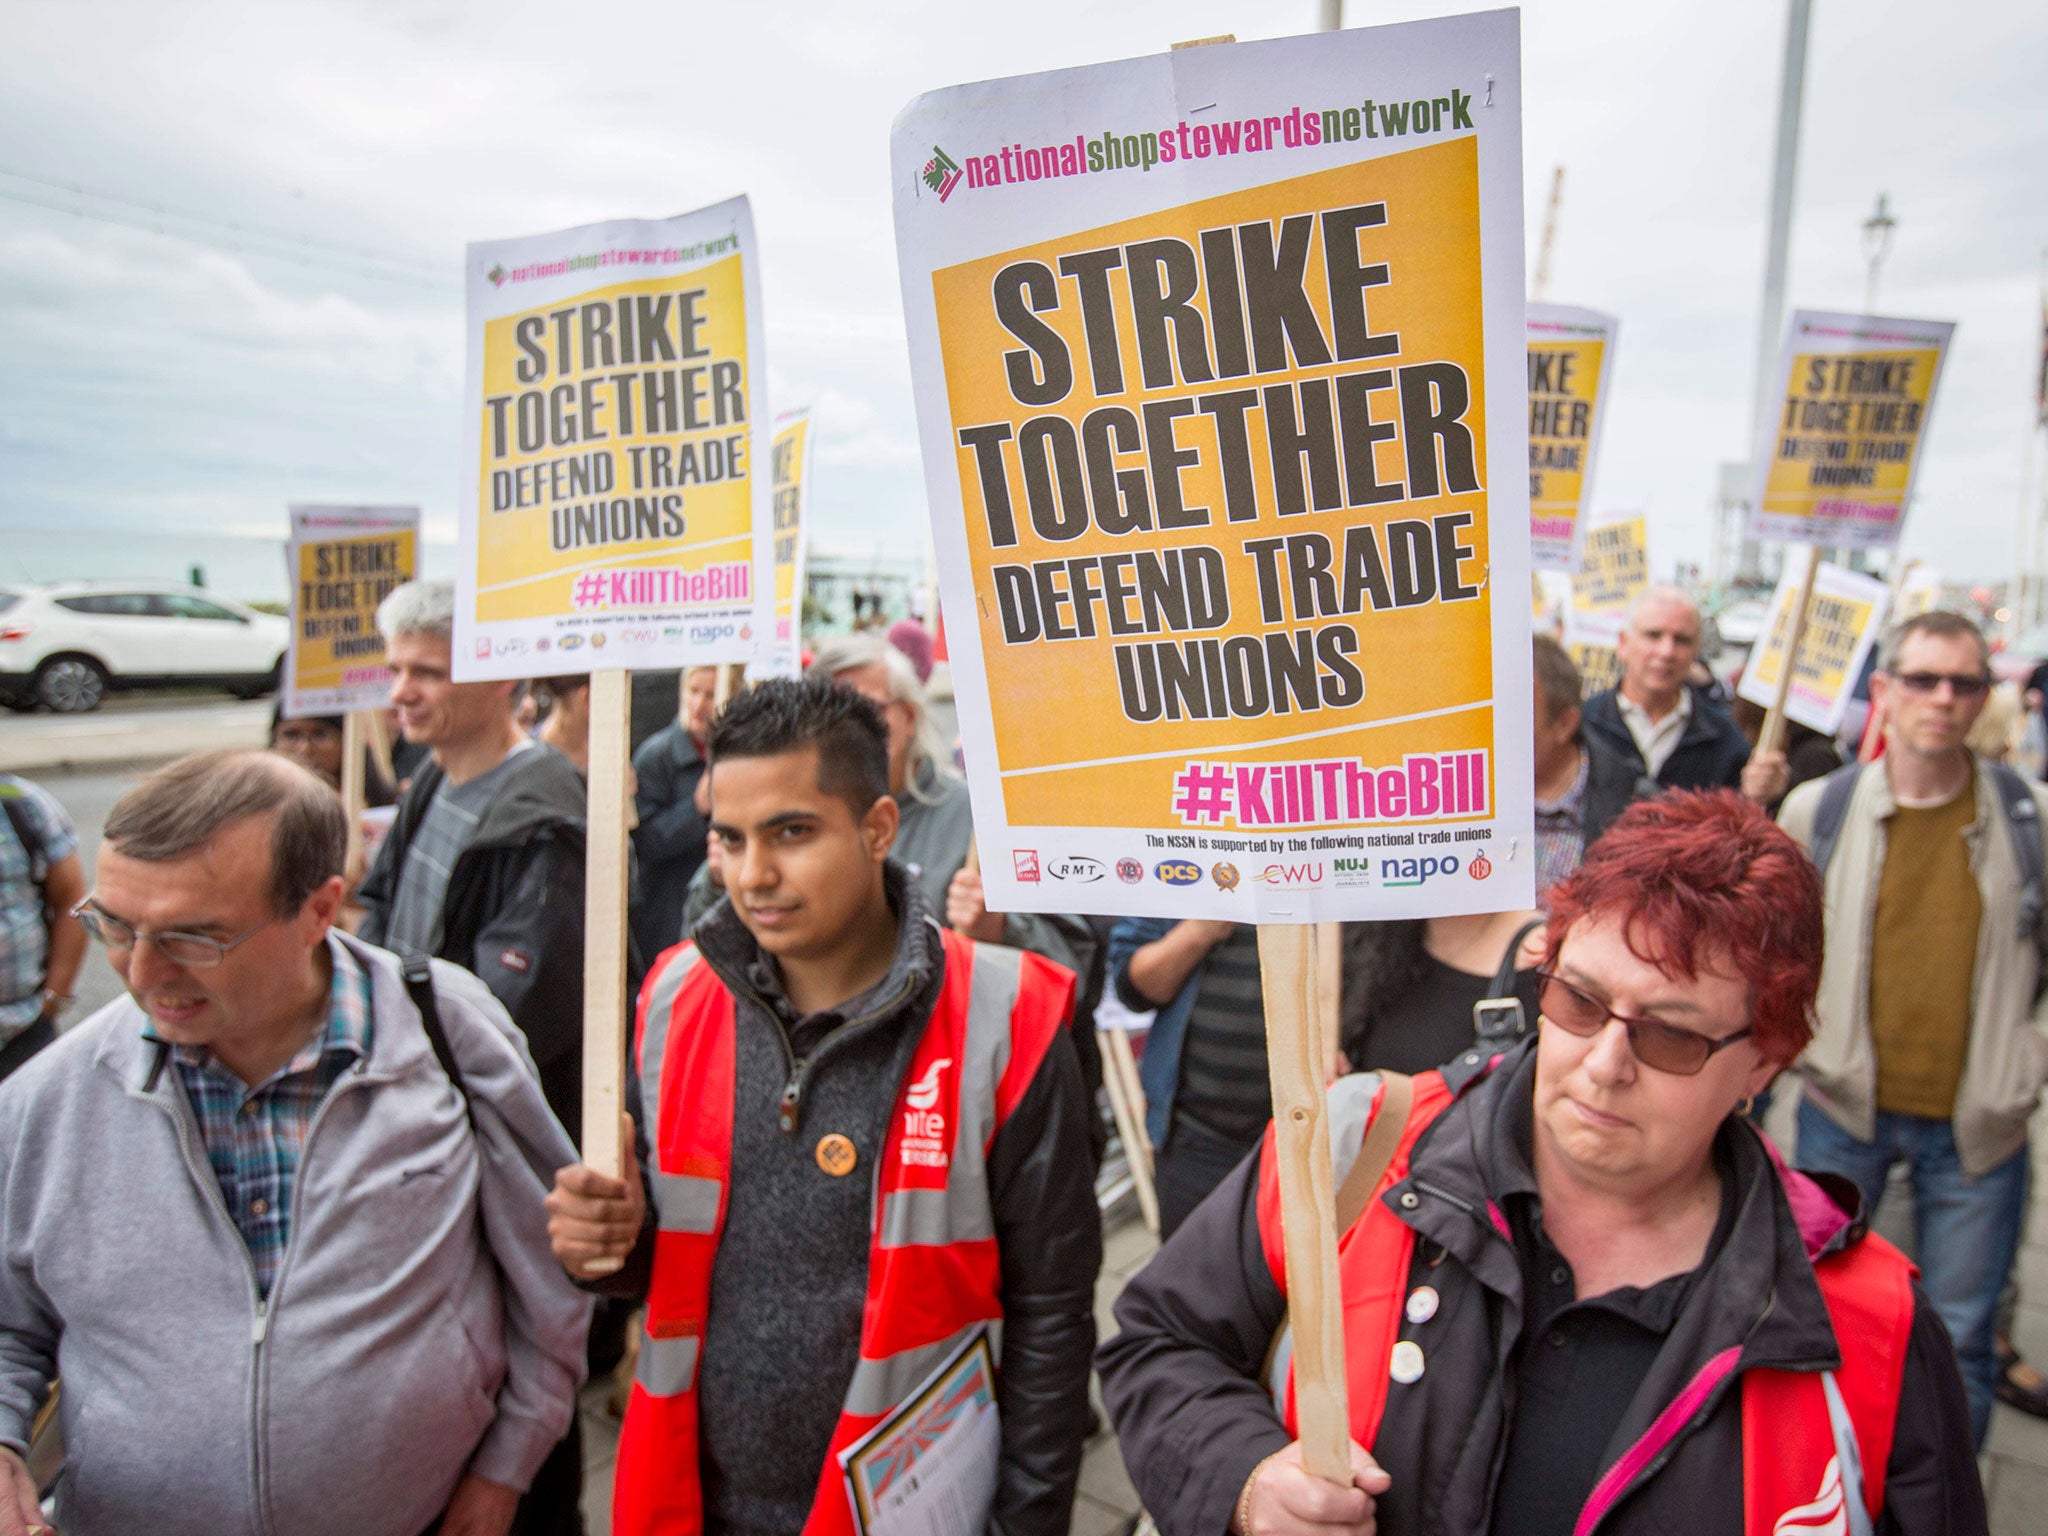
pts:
[1966, 1231]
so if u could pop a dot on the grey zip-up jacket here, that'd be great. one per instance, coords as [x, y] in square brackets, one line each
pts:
[418, 1327]
[2006, 1062]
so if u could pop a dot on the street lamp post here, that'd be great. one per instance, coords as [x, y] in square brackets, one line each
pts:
[1878, 232]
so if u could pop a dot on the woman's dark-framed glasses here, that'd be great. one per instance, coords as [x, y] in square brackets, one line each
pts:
[1666, 1047]
[195, 950]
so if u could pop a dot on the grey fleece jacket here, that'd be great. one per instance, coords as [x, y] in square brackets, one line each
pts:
[418, 1327]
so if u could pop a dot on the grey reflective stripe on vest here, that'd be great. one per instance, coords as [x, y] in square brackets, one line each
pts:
[1847, 1456]
[1349, 1102]
[1350, 1110]
[961, 1212]
[685, 1203]
[661, 1005]
[879, 1385]
[667, 1366]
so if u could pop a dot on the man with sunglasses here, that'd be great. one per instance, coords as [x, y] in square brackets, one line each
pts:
[294, 1275]
[1579, 1290]
[1929, 1049]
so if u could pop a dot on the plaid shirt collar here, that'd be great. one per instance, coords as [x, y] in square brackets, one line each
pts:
[346, 1032]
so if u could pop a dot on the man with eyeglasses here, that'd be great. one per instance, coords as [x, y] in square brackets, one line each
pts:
[1579, 1290]
[1929, 1049]
[292, 1266]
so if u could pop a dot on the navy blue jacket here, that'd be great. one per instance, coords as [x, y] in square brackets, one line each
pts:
[1710, 754]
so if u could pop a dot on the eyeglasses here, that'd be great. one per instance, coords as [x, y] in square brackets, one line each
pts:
[194, 950]
[1968, 686]
[1666, 1047]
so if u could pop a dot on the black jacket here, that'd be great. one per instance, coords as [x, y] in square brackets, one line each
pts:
[1613, 784]
[669, 841]
[783, 1325]
[1181, 1378]
[1710, 754]
[513, 915]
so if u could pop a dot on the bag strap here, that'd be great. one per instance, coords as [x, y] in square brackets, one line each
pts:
[419, 985]
[1376, 1151]
[2023, 825]
[1835, 791]
[15, 804]
[1504, 977]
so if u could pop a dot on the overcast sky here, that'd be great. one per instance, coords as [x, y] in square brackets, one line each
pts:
[164, 383]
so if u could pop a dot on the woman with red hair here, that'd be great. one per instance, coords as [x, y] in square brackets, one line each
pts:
[1580, 1290]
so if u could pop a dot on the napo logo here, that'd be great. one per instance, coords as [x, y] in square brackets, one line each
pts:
[1075, 869]
[1026, 860]
[1395, 873]
[1225, 876]
[1130, 871]
[1177, 872]
[1480, 867]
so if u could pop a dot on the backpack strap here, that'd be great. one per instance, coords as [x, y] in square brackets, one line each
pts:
[2023, 825]
[1498, 1020]
[419, 985]
[15, 804]
[1835, 791]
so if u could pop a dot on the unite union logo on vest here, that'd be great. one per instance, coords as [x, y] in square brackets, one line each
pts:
[924, 1128]
[1826, 1515]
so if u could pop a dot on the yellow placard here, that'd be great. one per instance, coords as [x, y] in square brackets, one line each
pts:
[344, 561]
[1843, 623]
[1570, 353]
[1846, 428]
[790, 467]
[617, 507]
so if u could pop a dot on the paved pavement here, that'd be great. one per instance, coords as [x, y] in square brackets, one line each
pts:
[143, 727]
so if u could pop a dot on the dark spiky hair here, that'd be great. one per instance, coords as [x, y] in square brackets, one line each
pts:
[789, 714]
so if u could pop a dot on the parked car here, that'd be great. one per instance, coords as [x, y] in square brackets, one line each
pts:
[62, 646]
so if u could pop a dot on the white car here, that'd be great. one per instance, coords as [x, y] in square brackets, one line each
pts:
[62, 646]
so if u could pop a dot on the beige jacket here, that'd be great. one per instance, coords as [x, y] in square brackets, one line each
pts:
[2007, 1061]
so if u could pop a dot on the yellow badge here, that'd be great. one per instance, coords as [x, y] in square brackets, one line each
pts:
[836, 1155]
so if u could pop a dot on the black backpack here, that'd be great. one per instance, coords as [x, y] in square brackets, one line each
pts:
[2022, 821]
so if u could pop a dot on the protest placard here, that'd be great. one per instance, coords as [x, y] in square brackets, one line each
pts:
[1208, 396]
[616, 510]
[1571, 358]
[1614, 566]
[614, 513]
[343, 562]
[1844, 619]
[1841, 439]
[789, 457]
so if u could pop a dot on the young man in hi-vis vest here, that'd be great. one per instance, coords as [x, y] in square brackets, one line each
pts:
[865, 1142]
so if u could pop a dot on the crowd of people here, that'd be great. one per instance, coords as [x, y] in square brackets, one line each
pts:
[301, 1223]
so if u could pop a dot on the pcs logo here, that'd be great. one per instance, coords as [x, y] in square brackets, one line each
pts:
[1178, 872]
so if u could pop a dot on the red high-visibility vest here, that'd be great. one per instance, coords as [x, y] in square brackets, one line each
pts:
[933, 1271]
[1811, 1440]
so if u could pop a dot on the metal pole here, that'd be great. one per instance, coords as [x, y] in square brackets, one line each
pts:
[1770, 325]
[1332, 16]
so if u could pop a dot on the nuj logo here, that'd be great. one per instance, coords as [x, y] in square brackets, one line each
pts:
[924, 1127]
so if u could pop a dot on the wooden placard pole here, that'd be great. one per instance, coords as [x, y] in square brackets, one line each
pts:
[380, 744]
[352, 783]
[1329, 992]
[604, 924]
[1772, 737]
[1127, 1107]
[1290, 976]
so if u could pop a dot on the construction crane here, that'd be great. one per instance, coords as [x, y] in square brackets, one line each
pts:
[1539, 286]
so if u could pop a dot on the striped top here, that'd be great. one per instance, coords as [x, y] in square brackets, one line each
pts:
[1224, 1084]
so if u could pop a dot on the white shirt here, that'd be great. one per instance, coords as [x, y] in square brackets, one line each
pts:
[1655, 739]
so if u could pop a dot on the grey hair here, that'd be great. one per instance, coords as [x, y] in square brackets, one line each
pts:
[1937, 624]
[849, 653]
[1665, 593]
[186, 805]
[418, 608]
